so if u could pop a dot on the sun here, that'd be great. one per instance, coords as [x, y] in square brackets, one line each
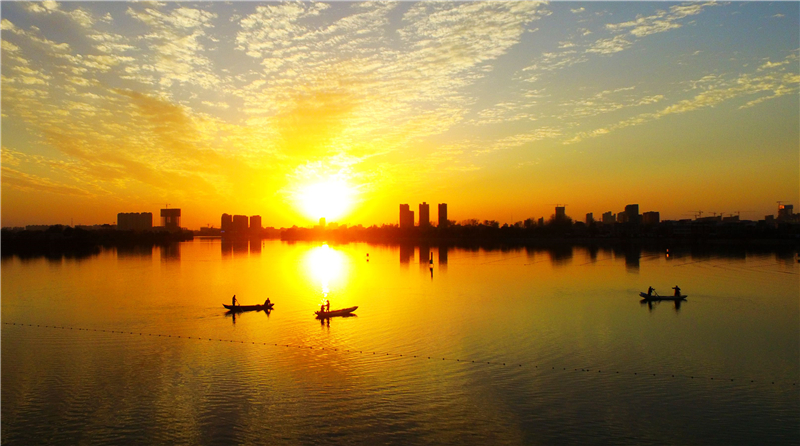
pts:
[330, 199]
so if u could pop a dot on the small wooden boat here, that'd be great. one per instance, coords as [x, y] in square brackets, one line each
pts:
[644, 296]
[249, 307]
[342, 312]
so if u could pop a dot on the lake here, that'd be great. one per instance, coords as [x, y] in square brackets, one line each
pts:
[507, 346]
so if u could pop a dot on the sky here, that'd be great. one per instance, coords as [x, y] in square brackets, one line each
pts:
[299, 110]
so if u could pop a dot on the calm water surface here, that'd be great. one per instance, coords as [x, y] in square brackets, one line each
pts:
[520, 346]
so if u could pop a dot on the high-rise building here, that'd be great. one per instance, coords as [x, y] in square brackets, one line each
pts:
[632, 213]
[239, 224]
[322, 222]
[134, 221]
[406, 217]
[227, 223]
[442, 215]
[171, 219]
[651, 218]
[589, 218]
[424, 215]
[255, 223]
[785, 211]
[561, 213]
[609, 218]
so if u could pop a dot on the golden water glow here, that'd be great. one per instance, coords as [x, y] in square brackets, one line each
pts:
[330, 199]
[326, 265]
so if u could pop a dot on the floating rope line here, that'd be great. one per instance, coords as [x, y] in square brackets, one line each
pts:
[383, 353]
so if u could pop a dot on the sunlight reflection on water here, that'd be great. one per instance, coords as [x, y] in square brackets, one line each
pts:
[584, 360]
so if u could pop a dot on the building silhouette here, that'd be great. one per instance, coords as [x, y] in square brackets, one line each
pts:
[134, 221]
[255, 223]
[442, 215]
[322, 222]
[589, 218]
[406, 217]
[561, 213]
[239, 224]
[424, 215]
[227, 223]
[609, 218]
[785, 212]
[171, 219]
[651, 218]
[632, 213]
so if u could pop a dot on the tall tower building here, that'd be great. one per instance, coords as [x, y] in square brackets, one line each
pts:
[406, 216]
[785, 211]
[255, 223]
[442, 215]
[561, 213]
[424, 215]
[240, 224]
[171, 219]
[632, 211]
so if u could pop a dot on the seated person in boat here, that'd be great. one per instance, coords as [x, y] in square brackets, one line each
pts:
[677, 290]
[266, 302]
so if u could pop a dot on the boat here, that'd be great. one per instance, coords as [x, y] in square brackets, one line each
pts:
[342, 312]
[260, 307]
[644, 296]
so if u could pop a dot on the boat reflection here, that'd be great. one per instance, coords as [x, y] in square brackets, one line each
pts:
[326, 321]
[651, 304]
[234, 314]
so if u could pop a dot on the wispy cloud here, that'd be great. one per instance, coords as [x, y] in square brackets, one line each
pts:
[716, 90]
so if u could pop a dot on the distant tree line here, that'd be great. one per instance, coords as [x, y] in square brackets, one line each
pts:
[554, 229]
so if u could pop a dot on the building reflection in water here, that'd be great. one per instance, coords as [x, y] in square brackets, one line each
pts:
[561, 255]
[424, 254]
[424, 257]
[406, 254]
[632, 256]
[226, 248]
[134, 251]
[171, 252]
[443, 255]
[240, 247]
[593, 250]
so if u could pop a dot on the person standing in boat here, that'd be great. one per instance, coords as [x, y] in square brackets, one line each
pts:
[650, 291]
[233, 301]
[677, 290]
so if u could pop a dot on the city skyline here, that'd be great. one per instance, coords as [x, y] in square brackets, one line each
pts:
[407, 219]
[296, 111]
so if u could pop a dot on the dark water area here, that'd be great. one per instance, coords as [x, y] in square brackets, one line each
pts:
[449, 345]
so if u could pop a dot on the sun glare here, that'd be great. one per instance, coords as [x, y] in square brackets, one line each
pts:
[326, 265]
[331, 199]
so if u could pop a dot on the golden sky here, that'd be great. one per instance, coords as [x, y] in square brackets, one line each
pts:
[299, 110]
